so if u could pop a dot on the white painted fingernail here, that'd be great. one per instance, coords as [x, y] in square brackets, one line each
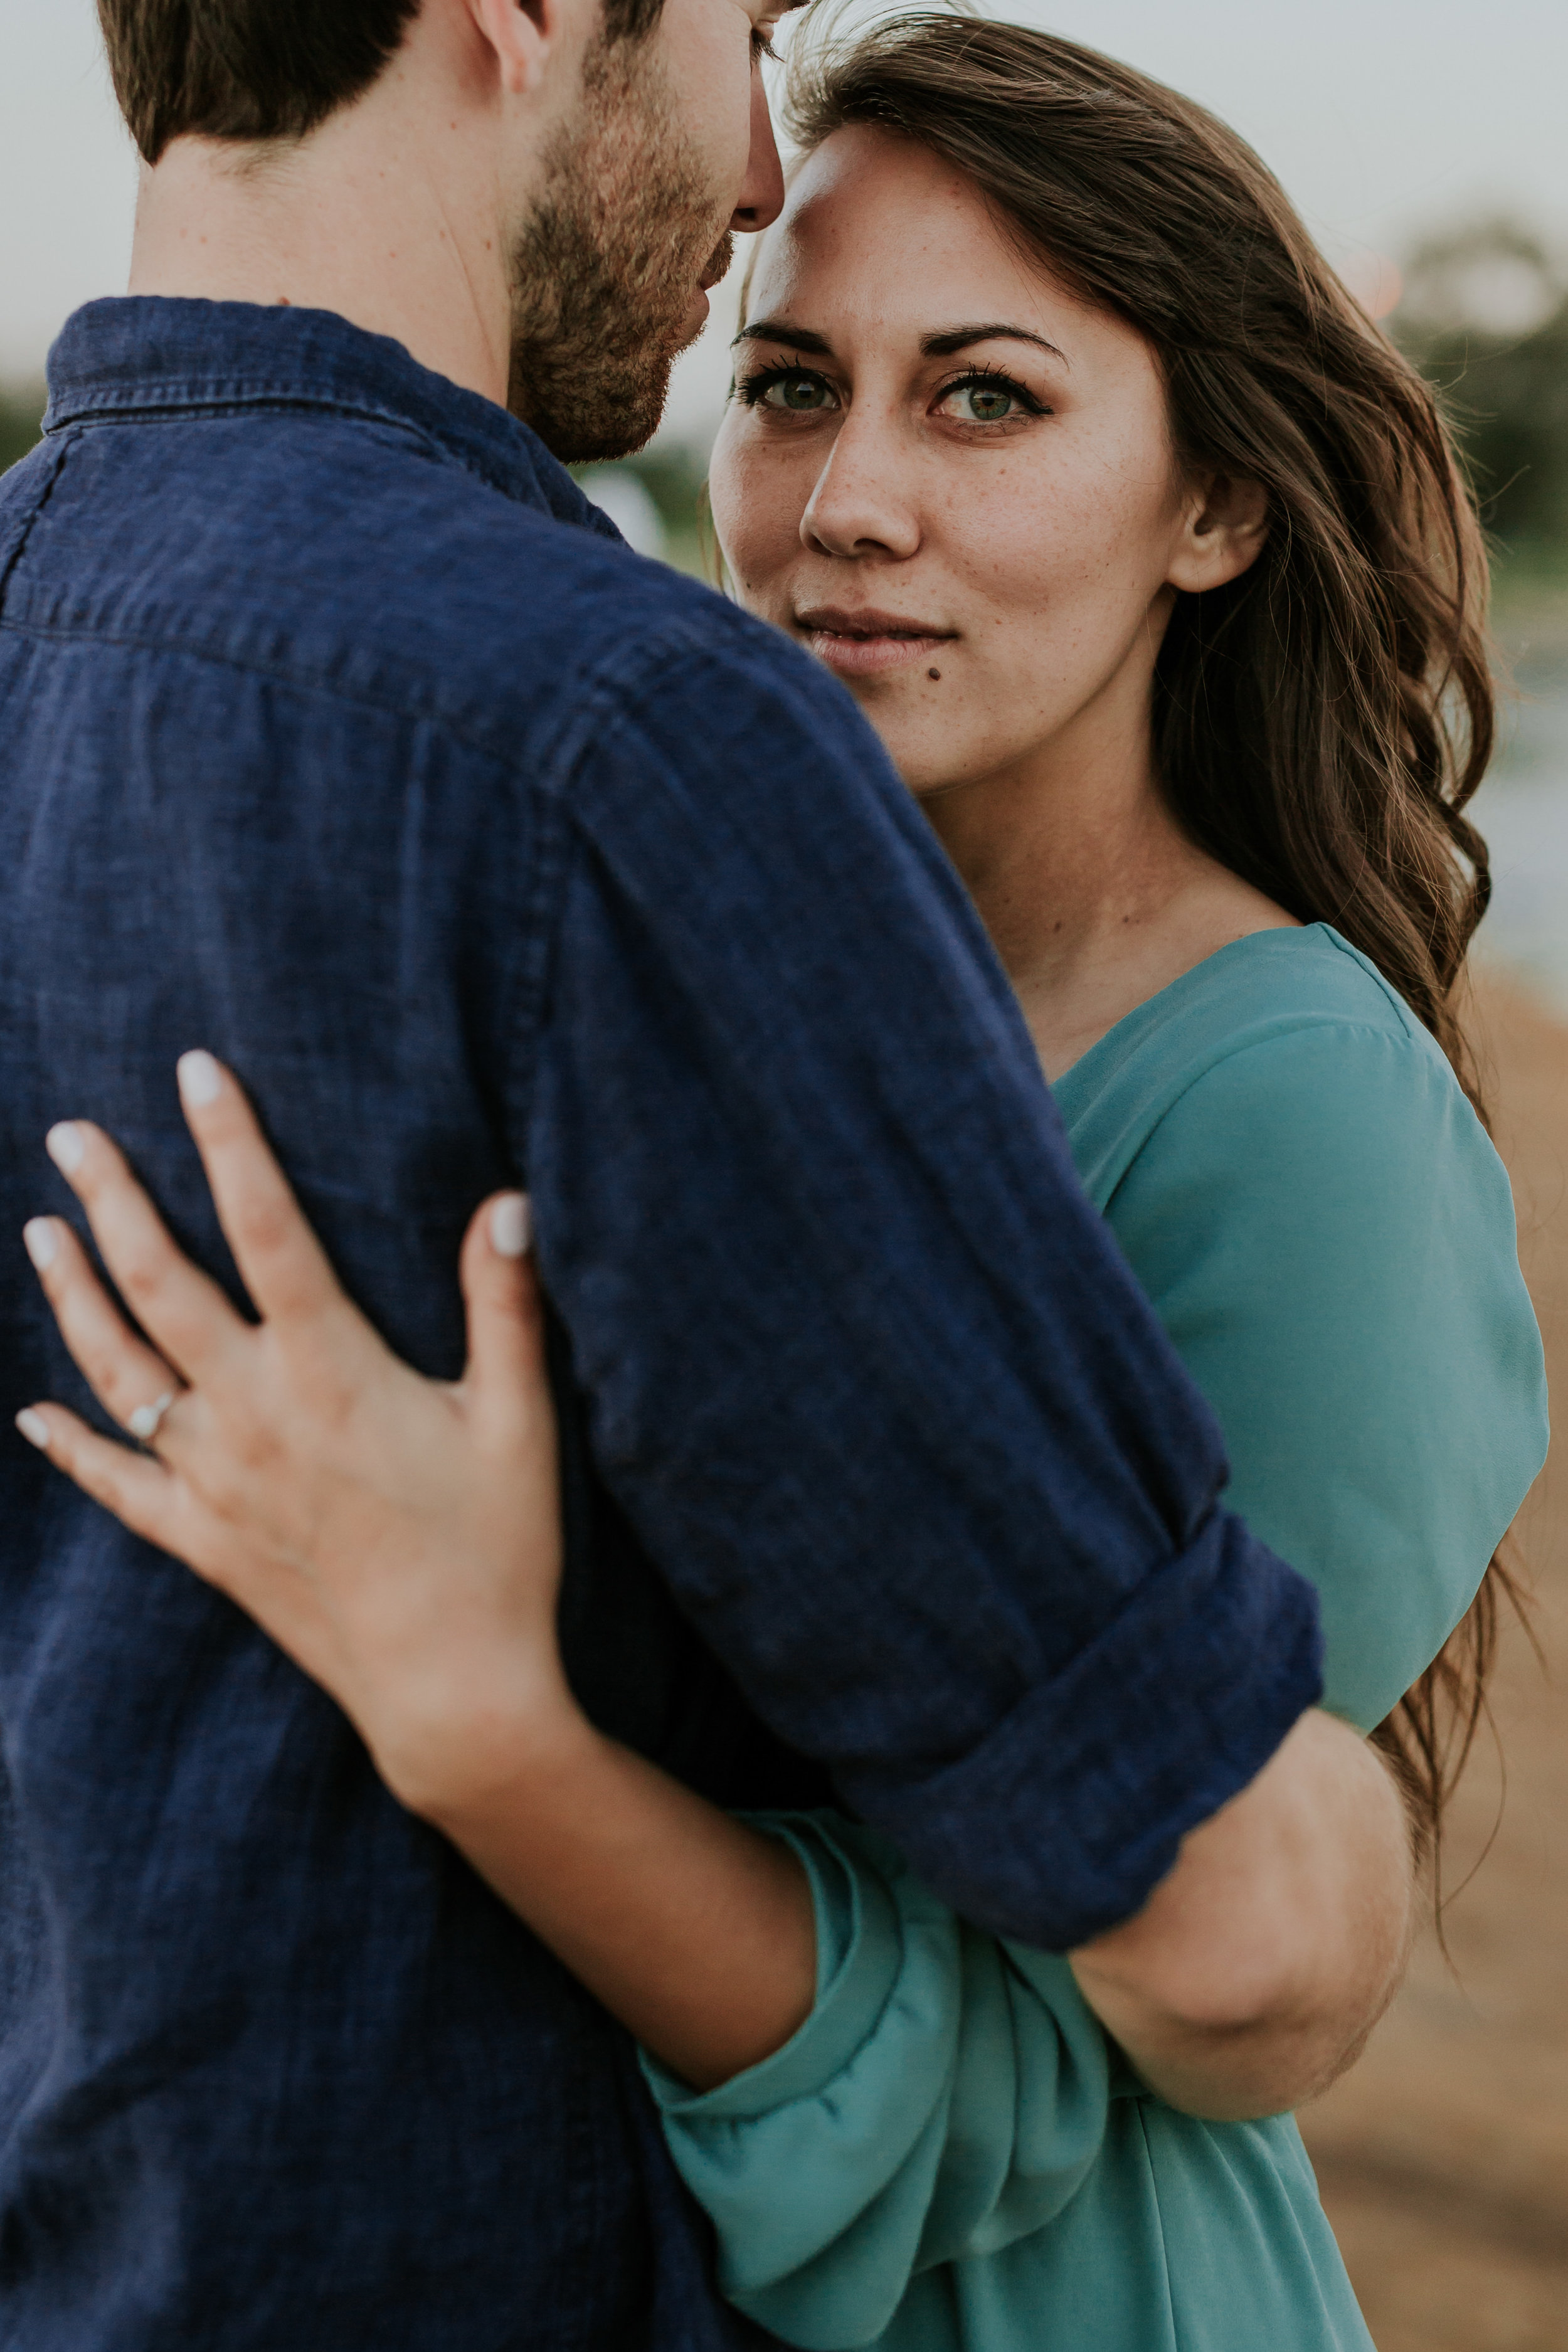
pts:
[66, 1146]
[511, 1224]
[41, 1241]
[34, 1428]
[201, 1080]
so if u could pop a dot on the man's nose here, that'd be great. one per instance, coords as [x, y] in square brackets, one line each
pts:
[763, 189]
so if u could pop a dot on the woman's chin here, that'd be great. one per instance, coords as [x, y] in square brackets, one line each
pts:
[924, 765]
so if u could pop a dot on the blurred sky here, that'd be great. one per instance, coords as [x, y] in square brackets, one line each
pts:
[1383, 118]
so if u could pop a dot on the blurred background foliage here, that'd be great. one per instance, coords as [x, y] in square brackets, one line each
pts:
[1484, 312]
[21, 406]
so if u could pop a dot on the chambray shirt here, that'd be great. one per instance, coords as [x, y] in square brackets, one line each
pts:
[340, 735]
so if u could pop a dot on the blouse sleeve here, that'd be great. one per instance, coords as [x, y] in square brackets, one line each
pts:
[945, 2097]
[1329, 1237]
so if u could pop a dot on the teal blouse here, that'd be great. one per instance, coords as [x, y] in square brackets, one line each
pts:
[949, 2156]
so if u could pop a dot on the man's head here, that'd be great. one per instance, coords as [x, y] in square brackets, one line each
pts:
[243, 69]
[613, 256]
[604, 150]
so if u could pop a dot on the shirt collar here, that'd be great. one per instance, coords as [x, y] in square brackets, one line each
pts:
[133, 356]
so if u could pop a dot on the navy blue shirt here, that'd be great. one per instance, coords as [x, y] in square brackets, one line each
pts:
[343, 737]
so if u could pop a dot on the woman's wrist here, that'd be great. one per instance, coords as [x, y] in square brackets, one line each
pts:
[454, 1758]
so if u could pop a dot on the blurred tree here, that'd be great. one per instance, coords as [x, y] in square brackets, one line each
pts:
[1485, 314]
[672, 473]
[21, 407]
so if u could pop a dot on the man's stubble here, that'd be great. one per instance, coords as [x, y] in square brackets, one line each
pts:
[602, 273]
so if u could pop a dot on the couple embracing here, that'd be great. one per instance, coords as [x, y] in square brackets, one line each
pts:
[785, 1798]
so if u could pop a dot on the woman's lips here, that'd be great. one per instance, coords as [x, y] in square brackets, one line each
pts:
[859, 643]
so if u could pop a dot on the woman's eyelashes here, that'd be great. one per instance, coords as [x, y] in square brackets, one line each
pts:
[980, 397]
[795, 391]
[988, 396]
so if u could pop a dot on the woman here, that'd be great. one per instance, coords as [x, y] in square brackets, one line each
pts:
[1054, 435]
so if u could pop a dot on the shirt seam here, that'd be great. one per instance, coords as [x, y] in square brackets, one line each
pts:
[301, 680]
[1301, 1025]
[615, 676]
[564, 751]
[278, 404]
[560, 751]
[591, 684]
[1407, 1021]
[15, 554]
[607, 694]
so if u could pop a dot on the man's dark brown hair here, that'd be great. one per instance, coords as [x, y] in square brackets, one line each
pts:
[262, 69]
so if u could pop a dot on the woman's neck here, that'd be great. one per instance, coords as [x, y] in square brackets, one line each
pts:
[1094, 897]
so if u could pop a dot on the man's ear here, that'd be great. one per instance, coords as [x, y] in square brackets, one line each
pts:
[521, 34]
[1223, 531]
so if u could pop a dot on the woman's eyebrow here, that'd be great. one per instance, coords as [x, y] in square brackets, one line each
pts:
[958, 339]
[779, 331]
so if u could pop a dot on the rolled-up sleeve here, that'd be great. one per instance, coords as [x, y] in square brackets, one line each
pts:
[946, 2098]
[862, 1364]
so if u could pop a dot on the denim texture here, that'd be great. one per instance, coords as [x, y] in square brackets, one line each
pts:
[341, 736]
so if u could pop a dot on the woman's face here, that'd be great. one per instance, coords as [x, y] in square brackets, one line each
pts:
[945, 474]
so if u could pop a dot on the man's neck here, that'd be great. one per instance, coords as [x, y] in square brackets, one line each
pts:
[390, 214]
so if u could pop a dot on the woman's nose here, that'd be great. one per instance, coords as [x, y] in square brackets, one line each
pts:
[863, 503]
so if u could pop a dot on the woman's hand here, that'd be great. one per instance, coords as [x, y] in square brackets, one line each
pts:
[397, 1536]
[400, 1539]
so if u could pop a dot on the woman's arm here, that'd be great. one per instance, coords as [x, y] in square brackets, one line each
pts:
[1253, 1975]
[399, 1538]
[1246, 1984]
[696, 1930]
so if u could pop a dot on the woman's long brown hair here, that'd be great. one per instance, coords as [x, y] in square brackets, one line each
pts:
[1321, 722]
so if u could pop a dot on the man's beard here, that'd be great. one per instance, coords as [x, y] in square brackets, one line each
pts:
[603, 271]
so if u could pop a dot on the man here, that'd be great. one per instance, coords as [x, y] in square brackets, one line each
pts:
[343, 738]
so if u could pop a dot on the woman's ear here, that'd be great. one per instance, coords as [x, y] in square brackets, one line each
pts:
[1223, 531]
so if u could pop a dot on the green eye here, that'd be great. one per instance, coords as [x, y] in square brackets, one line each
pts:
[799, 394]
[983, 404]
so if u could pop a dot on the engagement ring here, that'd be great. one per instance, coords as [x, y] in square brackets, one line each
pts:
[145, 1422]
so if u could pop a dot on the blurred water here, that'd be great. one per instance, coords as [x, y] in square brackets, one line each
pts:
[1523, 809]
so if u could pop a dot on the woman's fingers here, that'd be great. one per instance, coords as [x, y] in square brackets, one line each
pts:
[505, 1380]
[137, 1490]
[185, 1315]
[280, 1262]
[128, 1378]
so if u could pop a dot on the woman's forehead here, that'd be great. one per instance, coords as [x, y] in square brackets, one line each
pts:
[877, 226]
[868, 205]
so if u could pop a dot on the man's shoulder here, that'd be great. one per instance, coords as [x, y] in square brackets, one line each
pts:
[348, 560]
[544, 620]
[502, 617]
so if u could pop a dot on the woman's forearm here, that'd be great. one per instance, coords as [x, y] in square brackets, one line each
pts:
[1257, 1968]
[1249, 1979]
[694, 1929]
